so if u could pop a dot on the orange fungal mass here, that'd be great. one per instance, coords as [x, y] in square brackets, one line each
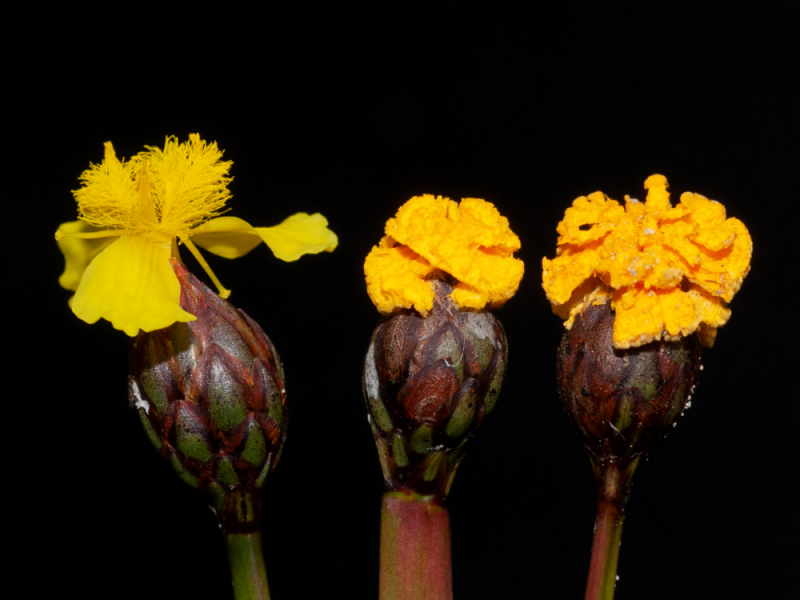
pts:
[471, 242]
[667, 271]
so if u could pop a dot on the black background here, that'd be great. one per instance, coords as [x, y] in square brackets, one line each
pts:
[350, 110]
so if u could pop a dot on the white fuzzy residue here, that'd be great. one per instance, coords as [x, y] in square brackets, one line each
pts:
[371, 374]
[482, 326]
[138, 401]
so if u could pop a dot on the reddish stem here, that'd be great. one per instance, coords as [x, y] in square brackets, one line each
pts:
[613, 487]
[415, 549]
[605, 552]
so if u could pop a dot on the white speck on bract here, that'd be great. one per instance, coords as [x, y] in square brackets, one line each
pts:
[371, 374]
[482, 325]
[139, 402]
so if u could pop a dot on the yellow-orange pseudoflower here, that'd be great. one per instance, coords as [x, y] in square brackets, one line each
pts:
[471, 242]
[131, 213]
[667, 271]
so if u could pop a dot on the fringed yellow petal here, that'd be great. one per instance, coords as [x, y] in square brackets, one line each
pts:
[190, 182]
[165, 191]
[298, 235]
[78, 252]
[107, 198]
[646, 254]
[132, 285]
[470, 241]
[229, 237]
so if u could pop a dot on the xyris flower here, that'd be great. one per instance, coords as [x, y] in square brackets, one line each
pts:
[641, 288]
[132, 215]
[433, 371]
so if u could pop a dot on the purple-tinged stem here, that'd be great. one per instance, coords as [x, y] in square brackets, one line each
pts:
[415, 549]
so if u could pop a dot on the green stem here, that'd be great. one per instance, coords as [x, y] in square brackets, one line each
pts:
[415, 549]
[247, 566]
[613, 487]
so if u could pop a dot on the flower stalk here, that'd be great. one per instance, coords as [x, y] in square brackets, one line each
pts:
[415, 562]
[613, 488]
[247, 566]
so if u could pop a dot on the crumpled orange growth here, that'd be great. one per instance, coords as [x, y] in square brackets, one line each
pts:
[668, 271]
[470, 241]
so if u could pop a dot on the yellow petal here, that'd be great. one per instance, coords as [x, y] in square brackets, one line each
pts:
[78, 253]
[229, 237]
[298, 235]
[131, 284]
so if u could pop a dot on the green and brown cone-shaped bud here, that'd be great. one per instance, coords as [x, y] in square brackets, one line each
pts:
[623, 402]
[429, 383]
[211, 397]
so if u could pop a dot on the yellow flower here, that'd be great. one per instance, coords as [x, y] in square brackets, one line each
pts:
[668, 272]
[131, 215]
[471, 242]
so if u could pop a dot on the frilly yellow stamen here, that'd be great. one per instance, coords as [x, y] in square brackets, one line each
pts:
[668, 271]
[91, 235]
[165, 191]
[471, 242]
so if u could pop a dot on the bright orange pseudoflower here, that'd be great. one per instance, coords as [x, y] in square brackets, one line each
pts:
[668, 272]
[470, 241]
